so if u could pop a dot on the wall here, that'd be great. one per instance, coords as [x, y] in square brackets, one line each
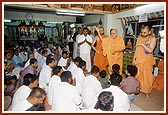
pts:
[93, 19]
[113, 22]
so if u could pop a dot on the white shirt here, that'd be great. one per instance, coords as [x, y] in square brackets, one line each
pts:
[22, 106]
[72, 67]
[62, 62]
[44, 77]
[121, 101]
[38, 57]
[42, 62]
[90, 89]
[162, 45]
[79, 76]
[24, 56]
[77, 37]
[54, 81]
[20, 95]
[27, 63]
[65, 98]
[69, 38]
[85, 47]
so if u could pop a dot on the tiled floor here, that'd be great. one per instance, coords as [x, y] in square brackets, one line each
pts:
[154, 103]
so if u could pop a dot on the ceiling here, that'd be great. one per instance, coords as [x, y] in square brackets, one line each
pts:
[89, 9]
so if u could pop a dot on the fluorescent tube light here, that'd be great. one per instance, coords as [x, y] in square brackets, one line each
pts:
[72, 25]
[7, 20]
[54, 22]
[154, 26]
[70, 12]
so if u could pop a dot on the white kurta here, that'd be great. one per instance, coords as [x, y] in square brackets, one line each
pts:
[90, 89]
[72, 68]
[38, 57]
[62, 62]
[27, 63]
[20, 95]
[24, 56]
[44, 77]
[22, 106]
[85, 47]
[85, 50]
[162, 45]
[54, 82]
[79, 76]
[121, 101]
[65, 98]
[42, 62]
[75, 45]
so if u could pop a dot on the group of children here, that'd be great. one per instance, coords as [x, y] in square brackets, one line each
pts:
[128, 84]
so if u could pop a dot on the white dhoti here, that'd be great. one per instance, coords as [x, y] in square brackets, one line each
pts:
[87, 58]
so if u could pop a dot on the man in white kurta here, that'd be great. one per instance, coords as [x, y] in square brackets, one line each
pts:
[84, 43]
[22, 106]
[64, 60]
[54, 82]
[42, 61]
[90, 90]
[74, 65]
[38, 56]
[65, 98]
[20, 95]
[79, 77]
[36, 96]
[121, 101]
[45, 74]
[76, 48]
[44, 77]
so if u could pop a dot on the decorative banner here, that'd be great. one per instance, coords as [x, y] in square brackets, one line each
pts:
[143, 17]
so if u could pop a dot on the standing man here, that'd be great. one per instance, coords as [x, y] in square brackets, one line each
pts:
[114, 50]
[144, 60]
[75, 38]
[70, 42]
[84, 43]
[99, 50]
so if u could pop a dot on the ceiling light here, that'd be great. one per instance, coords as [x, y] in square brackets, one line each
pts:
[70, 12]
[72, 25]
[154, 26]
[52, 22]
[7, 20]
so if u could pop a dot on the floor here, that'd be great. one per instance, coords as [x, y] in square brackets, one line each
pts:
[154, 103]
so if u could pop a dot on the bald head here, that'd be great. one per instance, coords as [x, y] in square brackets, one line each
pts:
[145, 31]
[101, 30]
[146, 27]
[113, 33]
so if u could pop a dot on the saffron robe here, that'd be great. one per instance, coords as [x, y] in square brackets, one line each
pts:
[159, 81]
[99, 59]
[117, 45]
[144, 62]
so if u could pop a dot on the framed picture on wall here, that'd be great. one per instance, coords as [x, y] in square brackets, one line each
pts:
[130, 44]
[131, 29]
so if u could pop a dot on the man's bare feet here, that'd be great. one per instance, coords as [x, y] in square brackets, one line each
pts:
[147, 96]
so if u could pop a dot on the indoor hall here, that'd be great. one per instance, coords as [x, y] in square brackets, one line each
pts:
[31, 27]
